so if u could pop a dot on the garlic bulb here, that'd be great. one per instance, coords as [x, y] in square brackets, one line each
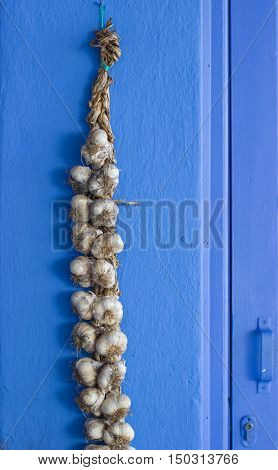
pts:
[107, 245]
[111, 345]
[104, 213]
[107, 310]
[104, 182]
[80, 268]
[94, 429]
[82, 303]
[96, 156]
[84, 336]
[118, 435]
[90, 401]
[85, 371]
[80, 208]
[110, 376]
[103, 273]
[98, 137]
[115, 407]
[83, 237]
[79, 177]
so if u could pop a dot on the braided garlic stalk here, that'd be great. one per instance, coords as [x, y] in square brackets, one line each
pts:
[95, 214]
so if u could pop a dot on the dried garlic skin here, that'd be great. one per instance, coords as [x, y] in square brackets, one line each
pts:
[84, 237]
[94, 429]
[81, 268]
[104, 182]
[115, 407]
[107, 310]
[82, 304]
[80, 211]
[118, 434]
[111, 345]
[98, 137]
[85, 371]
[84, 336]
[107, 245]
[111, 376]
[79, 177]
[103, 273]
[90, 401]
[96, 156]
[104, 213]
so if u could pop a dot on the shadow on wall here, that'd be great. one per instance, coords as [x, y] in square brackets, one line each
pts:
[69, 149]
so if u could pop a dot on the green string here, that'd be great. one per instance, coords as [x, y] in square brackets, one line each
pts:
[101, 14]
[104, 66]
[101, 20]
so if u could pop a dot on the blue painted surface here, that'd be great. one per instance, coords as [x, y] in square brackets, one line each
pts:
[46, 73]
[254, 222]
[215, 254]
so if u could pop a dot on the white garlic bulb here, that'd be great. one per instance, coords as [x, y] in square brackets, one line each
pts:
[85, 371]
[90, 401]
[84, 336]
[98, 137]
[94, 429]
[104, 182]
[82, 303]
[79, 177]
[107, 310]
[83, 237]
[111, 345]
[80, 208]
[80, 268]
[118, 435]
[115, 407]
[104, 213]
[103, 273]
[110, 376]
[107, 245]
[96, 156]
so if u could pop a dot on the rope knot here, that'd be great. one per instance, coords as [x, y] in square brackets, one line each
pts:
[108, 42]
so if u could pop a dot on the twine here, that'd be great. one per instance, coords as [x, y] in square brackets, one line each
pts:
[107, 41]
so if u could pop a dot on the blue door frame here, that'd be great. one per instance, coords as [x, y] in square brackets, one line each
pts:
[215, 141]
[239, 278]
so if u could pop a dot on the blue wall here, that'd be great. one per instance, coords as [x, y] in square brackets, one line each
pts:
[46, 73]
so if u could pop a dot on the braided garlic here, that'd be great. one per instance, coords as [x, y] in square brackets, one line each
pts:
[93, 234]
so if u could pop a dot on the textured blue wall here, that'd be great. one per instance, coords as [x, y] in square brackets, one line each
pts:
[46, 73]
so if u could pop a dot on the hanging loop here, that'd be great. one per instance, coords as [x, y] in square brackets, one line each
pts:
[101, 14]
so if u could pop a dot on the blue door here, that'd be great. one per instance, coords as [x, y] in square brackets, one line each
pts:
[254, 267]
